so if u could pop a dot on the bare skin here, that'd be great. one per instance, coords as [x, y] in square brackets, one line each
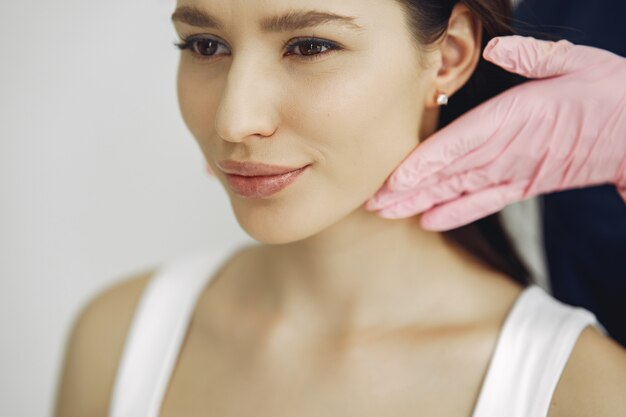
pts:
[240, 357]
[256, 359]
[338, 312]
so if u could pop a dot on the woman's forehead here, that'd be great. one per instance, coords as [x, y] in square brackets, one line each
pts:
[276, 16]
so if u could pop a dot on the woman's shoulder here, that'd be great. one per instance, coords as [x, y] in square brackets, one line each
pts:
[593, 382]
[98, 335]
[95, 345]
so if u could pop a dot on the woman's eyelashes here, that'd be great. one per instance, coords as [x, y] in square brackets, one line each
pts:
[308, 49]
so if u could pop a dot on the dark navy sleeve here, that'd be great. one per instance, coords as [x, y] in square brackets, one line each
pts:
[584, 231]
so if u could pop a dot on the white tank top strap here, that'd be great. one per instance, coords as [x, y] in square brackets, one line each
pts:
[533, 347]
[157, 332]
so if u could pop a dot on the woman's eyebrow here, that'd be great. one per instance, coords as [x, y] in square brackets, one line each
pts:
[292, 20]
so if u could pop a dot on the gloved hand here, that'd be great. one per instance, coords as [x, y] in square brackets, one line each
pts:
[565, 130]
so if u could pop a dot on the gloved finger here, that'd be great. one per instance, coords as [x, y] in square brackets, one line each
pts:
[467, 209]
[406, 208]
[423, 198]
[534, 58]
[386, 197]
[460, 139]
[417, 202]
[439, 188]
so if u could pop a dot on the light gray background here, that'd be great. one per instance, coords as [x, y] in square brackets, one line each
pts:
[99, 177]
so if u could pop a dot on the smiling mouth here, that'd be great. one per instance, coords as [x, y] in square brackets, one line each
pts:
[262, 186]
[249, 169]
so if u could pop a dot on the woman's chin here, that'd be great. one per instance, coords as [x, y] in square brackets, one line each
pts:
[273, 226]
[291, 218]
[276, 234]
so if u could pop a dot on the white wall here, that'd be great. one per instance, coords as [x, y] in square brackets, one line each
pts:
[99, 177]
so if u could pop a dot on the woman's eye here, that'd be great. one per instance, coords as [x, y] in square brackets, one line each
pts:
[312, 48]
[307, 49]
[202, 48]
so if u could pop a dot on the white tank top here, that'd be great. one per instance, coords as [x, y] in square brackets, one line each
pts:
[535, 342]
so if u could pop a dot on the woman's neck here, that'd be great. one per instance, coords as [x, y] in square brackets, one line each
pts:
[367, 272]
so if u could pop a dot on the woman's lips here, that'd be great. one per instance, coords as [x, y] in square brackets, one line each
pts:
[262, 186]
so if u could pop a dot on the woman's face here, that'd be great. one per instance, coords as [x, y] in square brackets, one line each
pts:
[351, 110]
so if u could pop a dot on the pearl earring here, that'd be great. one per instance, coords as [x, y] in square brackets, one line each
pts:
[442, 99]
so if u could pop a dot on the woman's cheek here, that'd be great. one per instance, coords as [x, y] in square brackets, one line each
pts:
[198, 108]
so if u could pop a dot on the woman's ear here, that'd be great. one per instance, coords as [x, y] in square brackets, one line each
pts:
[459, 51]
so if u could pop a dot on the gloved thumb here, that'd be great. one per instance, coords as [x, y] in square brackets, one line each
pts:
[533, 58]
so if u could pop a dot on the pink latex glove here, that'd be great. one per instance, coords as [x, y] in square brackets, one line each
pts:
[565, 130]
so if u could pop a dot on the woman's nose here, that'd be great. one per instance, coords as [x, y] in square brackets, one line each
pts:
[248, 103]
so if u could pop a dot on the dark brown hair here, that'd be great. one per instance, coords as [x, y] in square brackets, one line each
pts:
[485, 239]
